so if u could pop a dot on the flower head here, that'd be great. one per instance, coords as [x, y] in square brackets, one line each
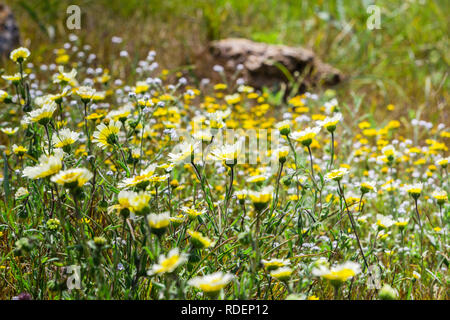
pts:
[76, 177]
[336, 174]
[306, 136]
[107, 135]
[211, 283]
[339, 273]
[19, 55]
[330, 123]
[48, 165]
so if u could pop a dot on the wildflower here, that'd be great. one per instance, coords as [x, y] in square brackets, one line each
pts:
[19, 150]
[282, 153]
[185, 155]
[85, 93]
[192, 213]
[443, 162]
[384, 222]
[72, 178]
[48, 166]
[9, 131]
[19, 55]
[306, 136]
[211, 284]
[158, 222]
[261, 198]
[227, 153]
[273, 264]
[5, 97]
[284, 127]
[366, 187]
[107, 135]
[15, 78]
[241, 195]
[124, 206]
[140, 202]
[282, 274]
[336, 174]
[168, 264]
[389, 152]
[99, 242]
[338, 274]
[42, 115]
[414, 190]
[198, 240]
[330, 123]
[440, 196]
[65, 77]
[140, 181]
[401, 223]
[65, 138]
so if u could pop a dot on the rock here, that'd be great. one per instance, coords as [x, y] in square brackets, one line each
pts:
[9, 32]
[260, 63]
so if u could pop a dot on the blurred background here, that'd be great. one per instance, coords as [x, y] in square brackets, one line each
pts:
[405, 62]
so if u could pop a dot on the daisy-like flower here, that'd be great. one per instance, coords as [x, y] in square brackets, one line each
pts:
[414, 190]
[65, 138]
[85, 93]
[9, 131]
[158, 222]
[305, 137]
[15, 78]
[48, 166]
[389, 152]
[168, 264]
[282, 274]
[42, 115]
[261, 198]
[123, 207]
[199, 241]
[368, 186]
[336, 174]
[281, 154]
[443, 162]
[284, 127]
[241, 195]
[107, 135]
[203, 136]
[440, 196]
[19, 55]
[192, 213]
[140, 202]
[338, 274]
[384, 222]
[120, 114]
[5, 97]
[141, 181]
[273, 264]
[141, 87]
[76, 177]
[211, 284]
[65, 77]
[19, 150]
[401, 223]
[228, 153]
[185, 154]
[330, 123]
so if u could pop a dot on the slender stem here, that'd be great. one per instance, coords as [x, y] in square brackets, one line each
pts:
[332, 151]
[421, 235]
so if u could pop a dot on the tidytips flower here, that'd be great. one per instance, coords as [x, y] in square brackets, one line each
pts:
[211, 284]
[19, 55]
[65, 138]
[48, 166]
[42, 115]
[158, 223]
[198, 240]
[368, 186]
[261, 198]
[284, 127]
[107, 135]
[338, 274]
[440, 196]
[336, 174]
[273, 264]
[282, 274]
[330, 123]
[414, 190]
[72, 178]
[306, 136]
